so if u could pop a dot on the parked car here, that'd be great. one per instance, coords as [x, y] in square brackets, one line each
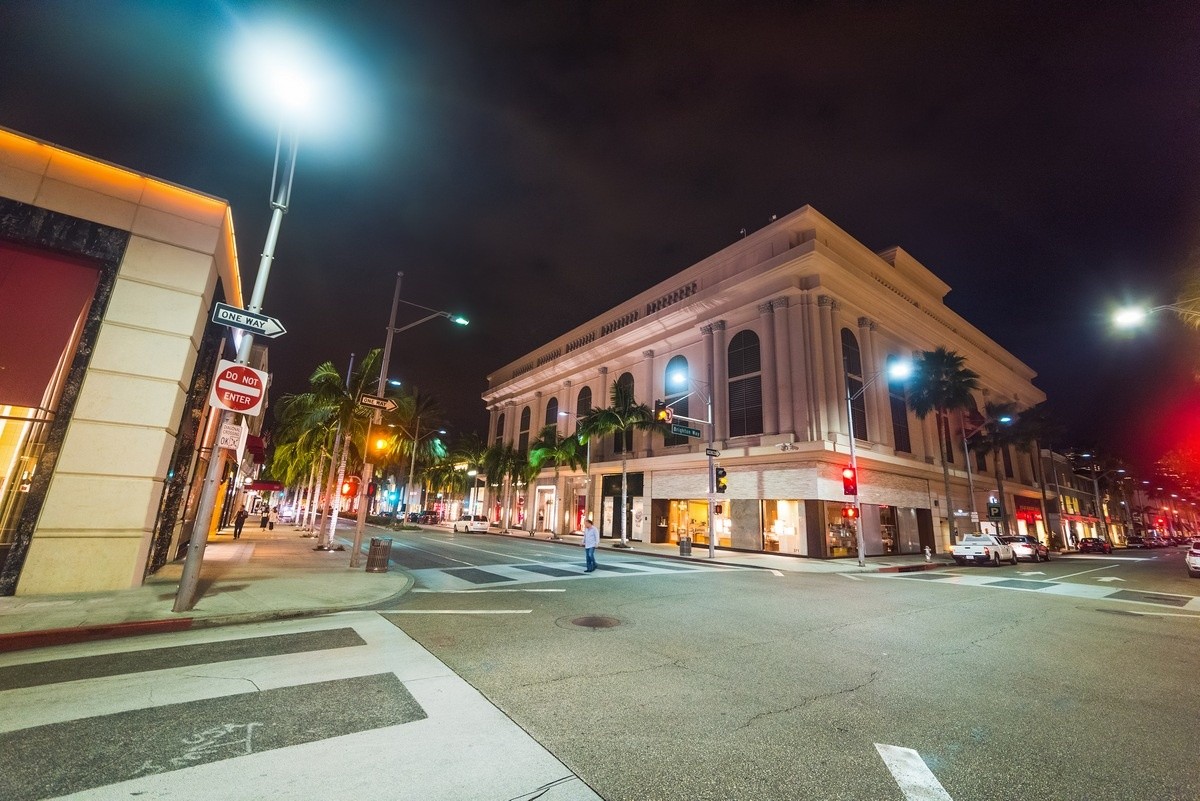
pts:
[1135, 541]
[1156, 541]
[1095, 545]
[1027, 547]
[477, 523]
[983, 549]
[1192, 558]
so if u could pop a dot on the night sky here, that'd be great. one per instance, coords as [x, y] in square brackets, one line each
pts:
[532, 164]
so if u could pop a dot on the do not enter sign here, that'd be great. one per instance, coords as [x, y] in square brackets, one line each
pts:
[238, 388]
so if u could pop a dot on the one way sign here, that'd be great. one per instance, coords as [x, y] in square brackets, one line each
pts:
[259, 324]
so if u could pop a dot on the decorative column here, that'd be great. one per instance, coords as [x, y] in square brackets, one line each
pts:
[770, 383]
[706, 332]
[833, 402]
[568, 421]
[647, 437]
[877, 431]
[809, 363]
[720, 388]
[783, 362]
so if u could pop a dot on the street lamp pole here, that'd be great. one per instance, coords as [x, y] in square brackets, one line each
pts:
[281, 193]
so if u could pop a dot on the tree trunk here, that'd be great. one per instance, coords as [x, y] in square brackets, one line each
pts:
[624, 495]
[1000, 492]
[946, 479]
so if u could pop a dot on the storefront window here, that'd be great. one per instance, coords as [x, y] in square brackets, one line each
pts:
[840, 536]
[888, 529]
[690, 518]
[783, 527]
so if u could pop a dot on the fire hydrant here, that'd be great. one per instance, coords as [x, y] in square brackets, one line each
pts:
[928, 554]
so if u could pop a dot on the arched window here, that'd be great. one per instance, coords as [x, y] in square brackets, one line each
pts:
[852, 364]
[523, 441]
[678, 385]
[499, 440]
[898, 404]
[552, 412]
[583, 403]
[623, 440]
[745, 385]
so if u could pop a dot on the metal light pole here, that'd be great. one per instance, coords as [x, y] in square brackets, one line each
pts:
[709, 451]
[281, 192]
[368, 471]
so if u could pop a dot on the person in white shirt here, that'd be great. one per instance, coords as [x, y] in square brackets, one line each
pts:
[591, 538]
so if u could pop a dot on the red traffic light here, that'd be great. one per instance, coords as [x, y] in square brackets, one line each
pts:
[849, 512]
[350, 486]
[849, 481]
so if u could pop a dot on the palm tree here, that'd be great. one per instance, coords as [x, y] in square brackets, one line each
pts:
[502, 464]
[992, 438]
[1035, 428]
[332, 404]
[622, 414]
[562, 451]
[941, 383]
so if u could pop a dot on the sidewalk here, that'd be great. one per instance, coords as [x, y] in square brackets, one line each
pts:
[265, 575]
[270, 575]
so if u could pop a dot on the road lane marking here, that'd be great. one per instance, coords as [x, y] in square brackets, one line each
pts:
[465, 592]
[481, 550]
[1081, 572]
[847, 575]
[454, 611]
[916, 780]
[777, 573]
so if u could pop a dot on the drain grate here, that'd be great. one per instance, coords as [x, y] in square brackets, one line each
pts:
[596, 622]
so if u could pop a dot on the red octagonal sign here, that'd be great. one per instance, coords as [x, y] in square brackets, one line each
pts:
[238, 388]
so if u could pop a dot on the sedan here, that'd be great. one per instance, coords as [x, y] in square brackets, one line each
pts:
[1095, 545]
[1135, 541]
[1026, 547]
[1193, 560]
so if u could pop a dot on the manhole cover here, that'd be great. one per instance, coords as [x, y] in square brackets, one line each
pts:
[596, 622]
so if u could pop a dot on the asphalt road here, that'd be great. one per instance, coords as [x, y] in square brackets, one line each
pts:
[744, 684]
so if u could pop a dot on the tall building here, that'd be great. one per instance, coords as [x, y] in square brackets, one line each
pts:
[107, 278]
[775, 332]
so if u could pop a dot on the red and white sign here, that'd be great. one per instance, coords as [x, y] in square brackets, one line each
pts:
[238, 388]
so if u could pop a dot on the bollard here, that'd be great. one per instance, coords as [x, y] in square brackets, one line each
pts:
[379, 555]
[928, 554]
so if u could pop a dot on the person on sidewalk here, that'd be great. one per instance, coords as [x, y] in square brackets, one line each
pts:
[591, 538]
[273, 518]
[239, 520]
[266, 514]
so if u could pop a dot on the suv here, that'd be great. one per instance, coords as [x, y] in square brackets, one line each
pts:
[1095, 545]
[1193, 559]
[1027, 547]
[477, 523]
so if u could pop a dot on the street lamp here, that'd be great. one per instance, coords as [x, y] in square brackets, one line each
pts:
[966, 435]
[290, 92]
[680, 380]
[898, 370]
[377, 416]
[1130, 317]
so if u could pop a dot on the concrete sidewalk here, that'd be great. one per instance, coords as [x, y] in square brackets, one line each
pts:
[265, 575]
[271, 575]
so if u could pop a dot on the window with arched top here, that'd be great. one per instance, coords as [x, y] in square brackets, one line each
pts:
[499, 438]
[623, 440]
[552, 412]
[745, 385]
[898, 406]
[852, 365]
[523, 436]
[583, 403]
[677, 385]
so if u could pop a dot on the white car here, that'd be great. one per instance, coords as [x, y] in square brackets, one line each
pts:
[1193, 559]
[477, 523]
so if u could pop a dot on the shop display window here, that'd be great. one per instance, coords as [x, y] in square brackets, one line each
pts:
[783, 527]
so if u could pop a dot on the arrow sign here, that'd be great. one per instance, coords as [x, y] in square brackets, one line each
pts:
[1110, 578]
[376, 402]
[711, 452]
[259, 324]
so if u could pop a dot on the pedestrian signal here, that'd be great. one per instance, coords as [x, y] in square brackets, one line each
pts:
[350, 486]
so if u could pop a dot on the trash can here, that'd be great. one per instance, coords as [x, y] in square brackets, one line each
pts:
[685, 546]
[379, 555]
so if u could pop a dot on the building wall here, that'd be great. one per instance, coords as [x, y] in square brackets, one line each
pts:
[796, 284]
[98, 513]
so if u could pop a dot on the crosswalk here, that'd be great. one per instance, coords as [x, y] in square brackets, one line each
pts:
[341, 707]
[518, 573]
[1048, 586]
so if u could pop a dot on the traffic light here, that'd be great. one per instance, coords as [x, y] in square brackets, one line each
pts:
[722, 481]
[849, 513]
[849, 481]
[371, 489]
[350, 486]
[662, 412]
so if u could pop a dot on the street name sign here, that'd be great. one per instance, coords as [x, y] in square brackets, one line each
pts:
[684, 431]
[376, 402]
[238, 388]
[259, 324]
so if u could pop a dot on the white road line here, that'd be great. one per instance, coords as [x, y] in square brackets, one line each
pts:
[916, 780]
[847, 575]
[481, 550]
[465, 592]
[1081, 572]
[453, 611]
[777, 573]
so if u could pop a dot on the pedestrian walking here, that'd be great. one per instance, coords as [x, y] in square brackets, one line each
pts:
[239, 520]
[591, 538]
[273, 518]
[265, 513]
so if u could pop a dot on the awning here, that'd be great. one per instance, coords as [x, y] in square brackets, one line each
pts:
[257, 448]
[265, 486]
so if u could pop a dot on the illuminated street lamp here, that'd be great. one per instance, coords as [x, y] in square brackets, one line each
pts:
[1130, 317]
[290, 78]
[898, 370]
